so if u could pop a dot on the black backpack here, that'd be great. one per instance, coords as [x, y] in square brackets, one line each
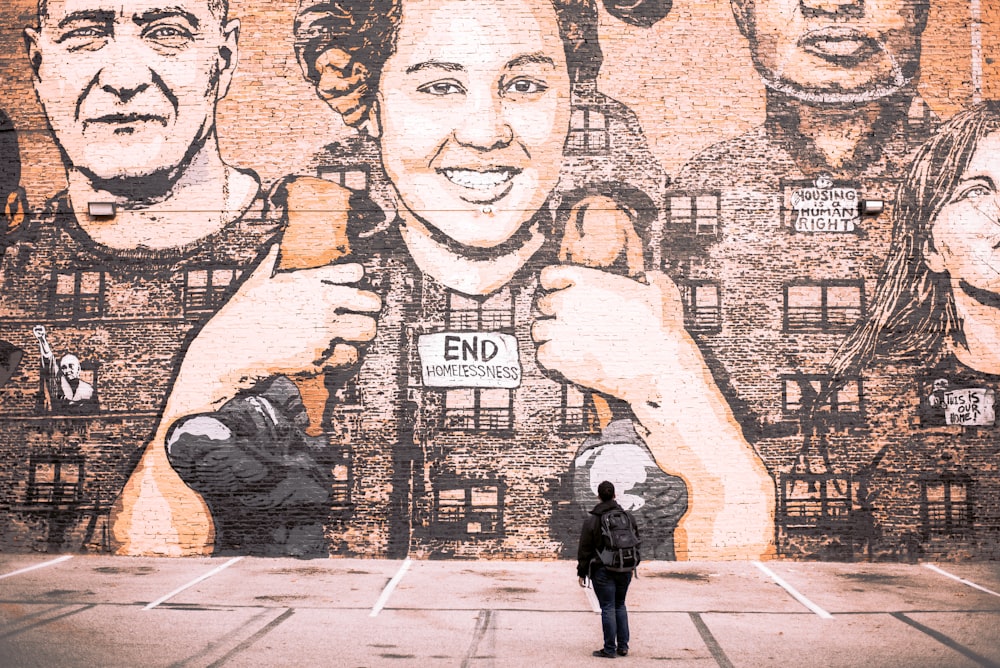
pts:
[619, 546]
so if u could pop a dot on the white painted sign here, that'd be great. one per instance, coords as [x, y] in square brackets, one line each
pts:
[969, 407]
[469, 359]
[825, 207]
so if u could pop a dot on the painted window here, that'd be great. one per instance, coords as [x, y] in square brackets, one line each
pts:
[704, 306]
[79, 294]
[472, 409]
[206, 289]
[89, 373]
[348, 392]
[341, 485]
[825, 305]
[800, 392]
[55, 481]
[468, 508]
[352, 177]
[578, 411]
[588, 132]
[698, 213]
[815, 499]
[491, 315]
[945, 504]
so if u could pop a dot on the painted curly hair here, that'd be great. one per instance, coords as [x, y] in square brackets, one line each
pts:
[357, 37]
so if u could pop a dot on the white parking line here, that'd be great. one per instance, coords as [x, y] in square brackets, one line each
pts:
[198, 579]
[793, 591]
[41, 565]
[962, 580]
[387, 592]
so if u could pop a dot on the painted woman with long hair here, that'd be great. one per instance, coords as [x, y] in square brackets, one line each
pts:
[928, 349]
[493, 328]
[942, 273]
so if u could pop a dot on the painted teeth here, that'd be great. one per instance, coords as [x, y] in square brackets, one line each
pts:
[468, 178]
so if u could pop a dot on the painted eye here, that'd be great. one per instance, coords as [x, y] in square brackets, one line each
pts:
[441, 88]
[974, 192]
[526, 87]
[169, 35]
[977, 192]
[90, 31]
[83, 37]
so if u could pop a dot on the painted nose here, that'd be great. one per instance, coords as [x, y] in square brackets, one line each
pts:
[125, 76]
[123, 89]
[485, 126]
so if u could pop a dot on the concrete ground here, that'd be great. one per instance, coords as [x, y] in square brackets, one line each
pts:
[116, 611]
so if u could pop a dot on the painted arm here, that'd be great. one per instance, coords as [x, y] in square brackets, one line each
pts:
[280, 322]
[45, 350]
[626, 338]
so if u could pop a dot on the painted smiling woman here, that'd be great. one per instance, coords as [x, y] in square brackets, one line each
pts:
[456, 338]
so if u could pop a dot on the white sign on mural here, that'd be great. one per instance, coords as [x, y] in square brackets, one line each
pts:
[469, 359]
[969, 407]
[824, 207]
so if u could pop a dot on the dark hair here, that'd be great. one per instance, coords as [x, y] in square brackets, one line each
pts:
[364, 33]
[606, 491]
[913, 309]
[642, 13]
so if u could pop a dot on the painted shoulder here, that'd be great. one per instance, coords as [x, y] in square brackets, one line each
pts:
[732, 161]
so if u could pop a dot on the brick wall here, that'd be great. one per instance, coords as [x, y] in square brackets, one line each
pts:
[726, 165]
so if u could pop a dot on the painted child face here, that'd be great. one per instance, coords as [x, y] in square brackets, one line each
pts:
[966, 234]
[474, 110]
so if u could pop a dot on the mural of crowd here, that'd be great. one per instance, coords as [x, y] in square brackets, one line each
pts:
[480, 293]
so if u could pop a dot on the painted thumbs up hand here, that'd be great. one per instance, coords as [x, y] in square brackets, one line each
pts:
[292, 323]
[611, 333]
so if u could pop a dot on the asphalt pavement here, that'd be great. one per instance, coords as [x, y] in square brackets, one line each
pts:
[81, 610]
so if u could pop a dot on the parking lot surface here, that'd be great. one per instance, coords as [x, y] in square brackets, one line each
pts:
[78, 610]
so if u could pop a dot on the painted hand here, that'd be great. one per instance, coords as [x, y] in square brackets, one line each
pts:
[608, 332]
[293, 322]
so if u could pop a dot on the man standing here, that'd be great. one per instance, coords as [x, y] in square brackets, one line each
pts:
[610, 586]
[129, 89]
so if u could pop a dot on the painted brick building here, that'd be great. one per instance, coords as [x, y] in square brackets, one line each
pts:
[694, 139]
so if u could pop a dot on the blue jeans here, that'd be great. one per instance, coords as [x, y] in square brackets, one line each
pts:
[611, 588]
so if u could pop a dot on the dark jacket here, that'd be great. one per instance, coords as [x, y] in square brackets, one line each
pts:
[590, 538]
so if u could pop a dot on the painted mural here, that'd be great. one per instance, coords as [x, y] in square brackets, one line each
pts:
[411, 278]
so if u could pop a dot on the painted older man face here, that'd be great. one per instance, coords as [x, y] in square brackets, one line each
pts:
[834, 51]
[130, 86]
[70, 367]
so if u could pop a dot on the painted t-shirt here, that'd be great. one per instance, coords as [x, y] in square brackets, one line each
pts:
[448, 440]
[126, 315]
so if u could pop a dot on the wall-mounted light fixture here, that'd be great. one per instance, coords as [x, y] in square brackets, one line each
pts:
[101, 209]
[871, 207]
